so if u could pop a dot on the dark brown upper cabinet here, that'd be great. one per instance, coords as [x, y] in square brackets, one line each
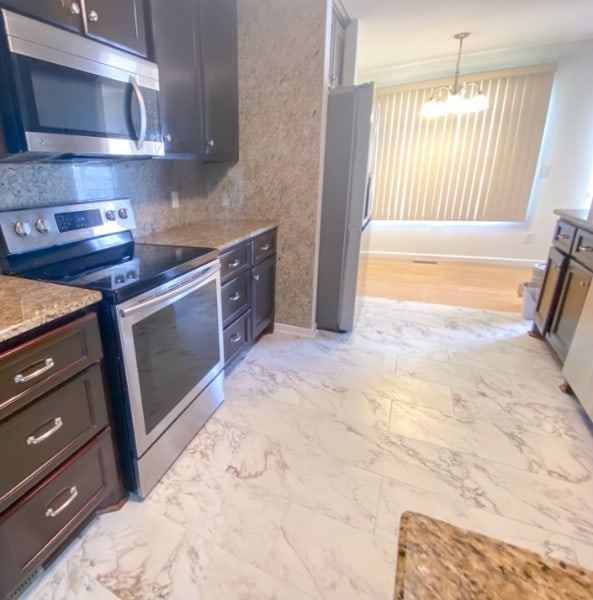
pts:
[195, 47]
[218, 65]
[63, 13]
[119, 23]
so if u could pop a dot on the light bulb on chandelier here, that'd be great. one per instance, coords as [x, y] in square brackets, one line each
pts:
[458, 98]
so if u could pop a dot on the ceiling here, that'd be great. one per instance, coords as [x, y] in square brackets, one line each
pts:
[400, 32]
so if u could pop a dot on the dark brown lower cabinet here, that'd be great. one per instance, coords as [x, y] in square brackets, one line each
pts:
[248, 290]
[550, 290]
[263, 280]
[57, 449]
[575, 285]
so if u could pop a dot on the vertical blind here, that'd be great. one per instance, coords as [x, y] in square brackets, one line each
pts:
[473, 167]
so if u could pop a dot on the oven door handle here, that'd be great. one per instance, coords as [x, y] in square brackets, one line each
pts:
[174, 292]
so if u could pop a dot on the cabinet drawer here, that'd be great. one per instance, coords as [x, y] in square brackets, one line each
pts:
[37, 439]
[235, 261]
[264, 245]
[48, 360]
[583, 248]
[235, 297]
[563, 236]
[32, 529]
[236, 337]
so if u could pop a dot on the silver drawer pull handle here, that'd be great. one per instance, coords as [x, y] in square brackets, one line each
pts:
[235, 338]
[584, 283]
[585, 248]
[50, 513]
[256, 278]
[265, 247]
[48, 364]
[563, 236]
[234, 264]
[33, 441]
[234, 297]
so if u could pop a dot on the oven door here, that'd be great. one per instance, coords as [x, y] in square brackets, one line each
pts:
[71, 95]
[171, 341]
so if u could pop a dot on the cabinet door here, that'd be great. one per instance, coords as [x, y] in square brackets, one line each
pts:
[262, 295]
[550, 290]
[63, 13]
[174, 35]
[120, 23]
[570, 305]
[218, 61]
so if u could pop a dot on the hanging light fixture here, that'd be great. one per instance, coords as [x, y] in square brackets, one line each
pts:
[457, 99]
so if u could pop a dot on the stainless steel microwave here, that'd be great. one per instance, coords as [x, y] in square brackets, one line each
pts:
[61, 93]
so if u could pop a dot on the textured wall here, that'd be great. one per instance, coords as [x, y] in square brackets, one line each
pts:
[281, 87]
[281, 94]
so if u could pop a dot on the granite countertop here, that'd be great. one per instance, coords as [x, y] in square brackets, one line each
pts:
[28, 304]
[580, 218]
[210, 234]
[439, 561]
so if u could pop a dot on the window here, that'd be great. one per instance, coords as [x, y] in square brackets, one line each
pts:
[474, 167]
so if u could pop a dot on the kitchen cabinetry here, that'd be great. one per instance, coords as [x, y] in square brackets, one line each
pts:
[120, 23]
[248, 282]
[564, 288]
[578, 368]
[195, 46]
[56, 447]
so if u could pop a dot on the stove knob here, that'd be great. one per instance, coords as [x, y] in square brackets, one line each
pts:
[110, 214]
[22, 228]
[119, 279]
[131, 275]
[42, 225]
[123, 213]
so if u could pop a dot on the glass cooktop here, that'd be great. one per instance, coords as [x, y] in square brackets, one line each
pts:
[126, 270]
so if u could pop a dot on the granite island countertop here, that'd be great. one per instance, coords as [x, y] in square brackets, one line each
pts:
[211, 234]
[439, 561]
[27, 304]
[578, 217]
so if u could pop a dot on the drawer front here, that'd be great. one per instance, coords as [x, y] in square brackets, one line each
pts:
[32, 529]
[583, 248]
[235, 297]
[37, 439]
[49, 359]
[235, 261]
[264, 245]
[564, 236]
[236, 337]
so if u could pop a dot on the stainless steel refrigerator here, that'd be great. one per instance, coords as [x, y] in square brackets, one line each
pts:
[346, 204]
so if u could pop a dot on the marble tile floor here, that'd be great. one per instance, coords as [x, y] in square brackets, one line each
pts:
[295, 487]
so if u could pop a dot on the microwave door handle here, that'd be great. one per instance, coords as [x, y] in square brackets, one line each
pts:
[142, 105]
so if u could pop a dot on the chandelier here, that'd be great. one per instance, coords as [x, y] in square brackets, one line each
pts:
[458, 98]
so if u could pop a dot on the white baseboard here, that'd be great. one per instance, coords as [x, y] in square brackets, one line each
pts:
[494, 260]
[292, 330]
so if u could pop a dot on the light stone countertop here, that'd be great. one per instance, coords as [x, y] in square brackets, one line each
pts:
[27, 304]
[439, 561]
[209, 234]
[580, 218]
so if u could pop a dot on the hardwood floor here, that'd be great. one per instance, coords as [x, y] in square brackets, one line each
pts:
[471, 285]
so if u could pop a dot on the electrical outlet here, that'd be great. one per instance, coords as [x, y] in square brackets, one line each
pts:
[174, 199]
[528, 238]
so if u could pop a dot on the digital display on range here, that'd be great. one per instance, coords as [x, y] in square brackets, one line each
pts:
[81, 219]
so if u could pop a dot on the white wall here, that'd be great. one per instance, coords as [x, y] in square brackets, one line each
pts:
[563, 177]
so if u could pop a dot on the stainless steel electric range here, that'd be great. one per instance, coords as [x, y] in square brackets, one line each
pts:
[160, 320]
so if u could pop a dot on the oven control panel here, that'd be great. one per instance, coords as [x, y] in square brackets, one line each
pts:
[37, 228]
